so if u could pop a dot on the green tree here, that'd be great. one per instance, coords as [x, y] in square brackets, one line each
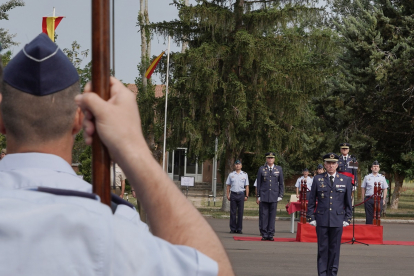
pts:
[6, 39]
[370, 103]
[247, 77]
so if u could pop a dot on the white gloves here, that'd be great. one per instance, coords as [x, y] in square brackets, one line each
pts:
[279, 199]
[313, 223]
[259, 198]
[345, 224]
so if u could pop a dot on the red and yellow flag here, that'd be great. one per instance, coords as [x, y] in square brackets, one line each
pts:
[151, 68]
[49, 25]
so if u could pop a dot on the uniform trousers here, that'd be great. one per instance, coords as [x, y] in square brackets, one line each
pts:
[116, 191]
[369, 209]
[236, 211]
[268, 219]
[329, 245]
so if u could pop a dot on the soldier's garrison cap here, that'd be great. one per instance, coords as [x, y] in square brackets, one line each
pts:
[344, 145]
[237, 162]
[319, 167]
[270, 154]
[40, 68]
[331, 157]
[375, 163]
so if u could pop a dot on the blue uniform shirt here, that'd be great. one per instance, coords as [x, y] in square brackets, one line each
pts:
[343, 166]
[237, 181]
[308, 182]
[45, 234]
[369, 181]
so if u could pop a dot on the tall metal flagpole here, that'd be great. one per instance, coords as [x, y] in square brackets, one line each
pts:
[166, 105]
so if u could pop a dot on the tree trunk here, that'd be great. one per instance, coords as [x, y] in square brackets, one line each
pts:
[185, 44]
[399, 180]
[228, 168]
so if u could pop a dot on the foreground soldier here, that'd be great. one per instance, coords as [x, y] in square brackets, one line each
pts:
[333, 193]
[73, 233]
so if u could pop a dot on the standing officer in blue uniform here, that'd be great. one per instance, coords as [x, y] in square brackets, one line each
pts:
[270, 190]
[237, 192]
[343, 163]
[333, 193]
[367, 188]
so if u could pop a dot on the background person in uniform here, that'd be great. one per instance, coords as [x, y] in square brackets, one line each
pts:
[3, 153]
[308, 183]
[120, 178]
[270, 190]
[333, 193]
[343, 163]
[237, 192]
[51, 213]
[319, 169]
[367, 188]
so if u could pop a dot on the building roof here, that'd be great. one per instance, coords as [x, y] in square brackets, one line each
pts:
[159, 89]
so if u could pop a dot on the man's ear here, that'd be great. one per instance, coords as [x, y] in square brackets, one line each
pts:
[77, 121]
[2, 129]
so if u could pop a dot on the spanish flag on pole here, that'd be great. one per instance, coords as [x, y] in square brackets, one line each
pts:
[49, 25]
[151, 68]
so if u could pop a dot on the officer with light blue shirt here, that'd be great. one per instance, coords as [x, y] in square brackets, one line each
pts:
[367, 189]
[237, 192]
[334, 211]
[308, 179]
[51, 223]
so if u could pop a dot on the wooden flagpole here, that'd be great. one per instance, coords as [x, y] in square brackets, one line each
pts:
[100, 85]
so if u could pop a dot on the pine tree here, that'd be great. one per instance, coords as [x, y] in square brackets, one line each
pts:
[247, 76]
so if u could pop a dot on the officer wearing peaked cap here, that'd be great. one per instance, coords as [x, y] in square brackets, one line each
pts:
[333, 193]
[367, 188]
[344, 163]
[237, 192]
[270, 190]
[45, 207]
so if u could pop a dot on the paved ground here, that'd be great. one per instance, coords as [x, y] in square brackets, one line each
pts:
[294, 258]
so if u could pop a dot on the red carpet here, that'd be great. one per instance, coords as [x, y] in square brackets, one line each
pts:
[239, 238]
[399, 242]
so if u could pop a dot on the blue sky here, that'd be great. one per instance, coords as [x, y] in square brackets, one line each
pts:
[26, 23]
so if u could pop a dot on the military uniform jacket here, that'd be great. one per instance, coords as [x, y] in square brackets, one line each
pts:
[40, 232]
[334, 201]
[343, 166]
[270, 184]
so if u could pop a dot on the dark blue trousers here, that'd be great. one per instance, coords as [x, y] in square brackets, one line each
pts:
[369, 209]
[268, 218]
[329, 245]
[236, 211]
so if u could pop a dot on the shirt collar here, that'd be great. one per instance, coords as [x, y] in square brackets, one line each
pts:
[17, 161]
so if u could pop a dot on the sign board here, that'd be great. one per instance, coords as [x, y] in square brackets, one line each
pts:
[187, 181]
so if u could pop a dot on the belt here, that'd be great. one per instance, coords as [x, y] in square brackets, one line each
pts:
[237, 193]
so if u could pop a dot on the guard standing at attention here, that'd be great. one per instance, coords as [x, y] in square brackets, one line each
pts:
[343, 163]
[270, 190]
[237, 192]
[333, 193]
[367, 189]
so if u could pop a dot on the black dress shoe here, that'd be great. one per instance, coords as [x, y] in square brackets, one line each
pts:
[240, 232]
[231, 231]
[264, 239]
[270, 239]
